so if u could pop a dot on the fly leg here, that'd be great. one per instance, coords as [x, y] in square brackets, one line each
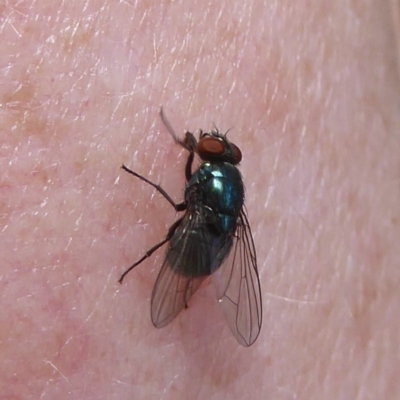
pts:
[189, 143]
[188, 167]
[149, 252]
[178, 207]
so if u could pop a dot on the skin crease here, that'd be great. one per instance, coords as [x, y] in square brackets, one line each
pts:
[311, 91]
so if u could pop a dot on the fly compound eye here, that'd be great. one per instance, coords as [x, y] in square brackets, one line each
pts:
[210, 148]
[237, 154]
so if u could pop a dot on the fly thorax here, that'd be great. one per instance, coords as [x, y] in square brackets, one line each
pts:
[219, 188]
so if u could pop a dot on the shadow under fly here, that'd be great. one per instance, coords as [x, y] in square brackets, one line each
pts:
[213, 237]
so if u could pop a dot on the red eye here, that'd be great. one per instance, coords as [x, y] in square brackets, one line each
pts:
[209, 148]
[236, 153]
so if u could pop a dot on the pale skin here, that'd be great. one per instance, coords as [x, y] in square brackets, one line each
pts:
[311, 91]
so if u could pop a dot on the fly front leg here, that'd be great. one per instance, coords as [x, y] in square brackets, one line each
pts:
[189, 143]
[188, 167]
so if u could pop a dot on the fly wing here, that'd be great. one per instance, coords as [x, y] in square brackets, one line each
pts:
[238, 286]
[186, 265]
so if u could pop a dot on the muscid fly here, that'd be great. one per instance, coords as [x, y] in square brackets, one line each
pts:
[213, 237]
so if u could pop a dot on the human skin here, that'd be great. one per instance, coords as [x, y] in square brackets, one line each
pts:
[311, 92]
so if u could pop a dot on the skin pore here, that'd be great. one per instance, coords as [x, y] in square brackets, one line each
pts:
[311, 92]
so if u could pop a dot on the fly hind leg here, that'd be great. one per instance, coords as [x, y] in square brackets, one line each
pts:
[149, 252]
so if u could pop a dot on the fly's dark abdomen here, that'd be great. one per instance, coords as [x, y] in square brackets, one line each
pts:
[193, 255]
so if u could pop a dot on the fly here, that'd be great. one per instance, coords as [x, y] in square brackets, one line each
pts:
[213, 237]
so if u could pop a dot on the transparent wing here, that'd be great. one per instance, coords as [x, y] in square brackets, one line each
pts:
[186, 265]
[238, 286]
